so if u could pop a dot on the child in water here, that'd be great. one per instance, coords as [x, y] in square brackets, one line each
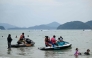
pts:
[87, 52]
[77, 53]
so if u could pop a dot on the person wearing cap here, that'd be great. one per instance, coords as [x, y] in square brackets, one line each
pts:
[53, 40]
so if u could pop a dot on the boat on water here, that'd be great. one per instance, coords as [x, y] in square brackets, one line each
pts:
[61, 45]
[29, 43]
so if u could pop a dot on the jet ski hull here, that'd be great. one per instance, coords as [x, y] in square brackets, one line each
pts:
[56, 48]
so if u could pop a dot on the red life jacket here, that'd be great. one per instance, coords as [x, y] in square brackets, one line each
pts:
[53, 40]
[21, 37]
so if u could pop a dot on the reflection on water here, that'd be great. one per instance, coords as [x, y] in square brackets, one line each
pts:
[53, 54]
[25, 51]
[76, 56]
[8, 51]
[49, 53]
[21, 51]
[56, 53]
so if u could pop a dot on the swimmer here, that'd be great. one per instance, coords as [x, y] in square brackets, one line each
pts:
[77, 53]
[87, 52]
[27, 35]
[16, 36]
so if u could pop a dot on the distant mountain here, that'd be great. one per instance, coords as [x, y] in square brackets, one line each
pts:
[7, 25]
[52, 25]
[74, 25]
[17, 28]
[41, 27]
[2, 28]
[89, 23]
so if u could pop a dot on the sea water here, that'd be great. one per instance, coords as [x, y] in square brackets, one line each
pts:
[78, 38]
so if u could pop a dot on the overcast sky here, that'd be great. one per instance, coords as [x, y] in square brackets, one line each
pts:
[25, 13]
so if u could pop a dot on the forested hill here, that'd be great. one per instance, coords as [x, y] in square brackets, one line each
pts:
[89, 23]
[74, 25]
[2, 28]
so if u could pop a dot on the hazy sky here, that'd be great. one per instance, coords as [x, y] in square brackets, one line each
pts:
[25, 13]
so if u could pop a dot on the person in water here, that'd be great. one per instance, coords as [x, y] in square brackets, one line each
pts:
[77, 52]
[87, 52]
[54, 41]
[27, 35]
[2, 36]
[22, 38]
[47, 41]
[16, 36]
[9, 40]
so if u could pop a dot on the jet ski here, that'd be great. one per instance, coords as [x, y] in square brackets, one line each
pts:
[61, 45]
[29, 43]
